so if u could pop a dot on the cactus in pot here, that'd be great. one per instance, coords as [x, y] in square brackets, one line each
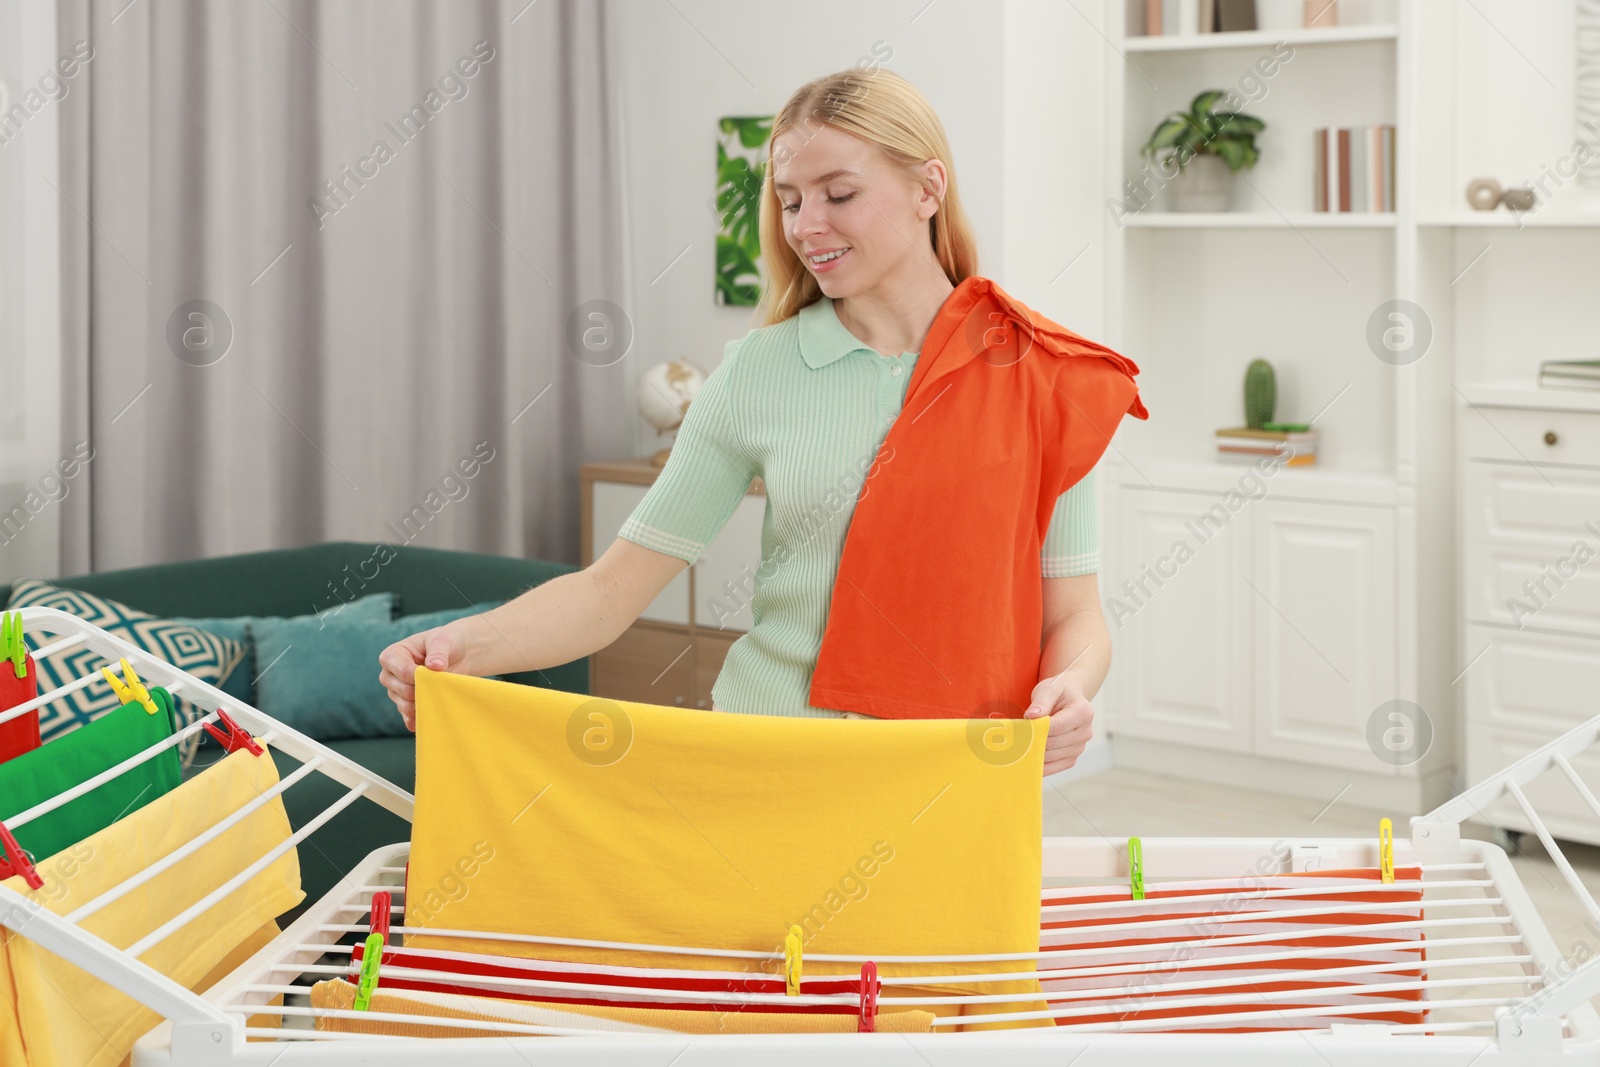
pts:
[1260, 394]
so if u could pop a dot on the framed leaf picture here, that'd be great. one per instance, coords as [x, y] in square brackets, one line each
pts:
[741, 170]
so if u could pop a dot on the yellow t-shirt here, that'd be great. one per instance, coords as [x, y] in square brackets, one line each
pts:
[559, 814]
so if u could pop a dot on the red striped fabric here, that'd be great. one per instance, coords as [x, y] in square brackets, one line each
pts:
[1134, 962]
[1147, 977]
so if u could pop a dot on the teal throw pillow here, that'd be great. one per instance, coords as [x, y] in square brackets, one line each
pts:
[321, 677]
[240, 682]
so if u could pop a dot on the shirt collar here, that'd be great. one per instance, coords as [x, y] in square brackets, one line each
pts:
[823, 338]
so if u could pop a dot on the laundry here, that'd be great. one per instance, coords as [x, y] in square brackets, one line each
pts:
[76, 757]
[20, 734]
[1338, 939]
[338, 994]
[53, 1014]
[626, 822]
[938, 604]
[19, 683]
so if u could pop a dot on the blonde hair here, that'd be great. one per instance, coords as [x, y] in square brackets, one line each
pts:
[881, 108]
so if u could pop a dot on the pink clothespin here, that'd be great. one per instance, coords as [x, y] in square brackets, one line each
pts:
[16, 861]
[869, 998]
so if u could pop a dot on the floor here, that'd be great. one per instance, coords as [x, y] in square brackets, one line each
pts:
[1119, 803]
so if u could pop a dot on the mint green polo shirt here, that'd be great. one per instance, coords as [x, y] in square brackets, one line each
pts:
[804, 405]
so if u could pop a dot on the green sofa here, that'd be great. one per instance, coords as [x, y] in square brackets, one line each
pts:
[299, 581]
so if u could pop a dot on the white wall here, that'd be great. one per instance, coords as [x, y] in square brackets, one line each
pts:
[686, 64]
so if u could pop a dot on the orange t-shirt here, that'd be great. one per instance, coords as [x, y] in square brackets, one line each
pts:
[937, 607]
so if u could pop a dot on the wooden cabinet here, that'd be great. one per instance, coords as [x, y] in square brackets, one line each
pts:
[673, 653]
[609, 505]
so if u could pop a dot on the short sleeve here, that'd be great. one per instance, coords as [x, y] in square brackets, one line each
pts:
[706, 475]
[1072, 544]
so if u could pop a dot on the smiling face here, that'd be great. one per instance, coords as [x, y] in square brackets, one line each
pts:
[853, 218]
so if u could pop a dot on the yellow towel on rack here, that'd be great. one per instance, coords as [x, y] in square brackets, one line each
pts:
[338, 994]
[553, 813]
[52, 1014]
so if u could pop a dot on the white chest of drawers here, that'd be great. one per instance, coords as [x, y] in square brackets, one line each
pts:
[1530, 586]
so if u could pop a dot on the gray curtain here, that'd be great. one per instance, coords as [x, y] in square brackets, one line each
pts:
[395, 209]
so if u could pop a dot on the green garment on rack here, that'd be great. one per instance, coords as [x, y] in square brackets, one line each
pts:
[73, 759]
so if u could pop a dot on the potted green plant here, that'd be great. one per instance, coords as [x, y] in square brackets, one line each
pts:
[1209, 148]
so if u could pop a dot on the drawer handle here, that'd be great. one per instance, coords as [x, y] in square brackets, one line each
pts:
[1550, 437]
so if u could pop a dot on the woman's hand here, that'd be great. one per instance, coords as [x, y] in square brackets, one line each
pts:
[439, 649]
[1071, 720]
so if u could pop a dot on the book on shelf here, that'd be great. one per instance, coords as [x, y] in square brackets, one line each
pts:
[1172, 18]
[1297, 459]
[1569, 374]
[1570, 368]
[1241, 434]
[1235, 15]
[1240, 444]
[1353, 168]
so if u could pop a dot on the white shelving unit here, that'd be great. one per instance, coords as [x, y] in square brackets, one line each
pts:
[1252, 220]
[1258, 647]
[1376, 31]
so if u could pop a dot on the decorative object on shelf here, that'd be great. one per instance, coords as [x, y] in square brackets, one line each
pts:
[1518, 199]
[1241, 444]
[1320, 13]
[1570, 374]
[1483, 194]
[741, 169]
[1353, 168]
[1586, 97]
[1209, 147]
[664, 396]
[1260, 393]
[1172, 18]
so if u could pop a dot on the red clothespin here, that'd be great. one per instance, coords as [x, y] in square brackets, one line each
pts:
[381, 905]
[869, 998]
[236, 737]
[16, 861]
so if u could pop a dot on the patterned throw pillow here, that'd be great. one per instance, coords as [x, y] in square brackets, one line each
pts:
[203, 654]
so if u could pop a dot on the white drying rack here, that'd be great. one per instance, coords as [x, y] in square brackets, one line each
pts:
[1497, 989]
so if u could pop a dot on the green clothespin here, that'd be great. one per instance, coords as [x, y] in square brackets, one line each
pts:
[11, 641]
[368, 983]
[1136, 867]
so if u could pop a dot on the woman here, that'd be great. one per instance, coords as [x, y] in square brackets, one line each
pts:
[863, 240]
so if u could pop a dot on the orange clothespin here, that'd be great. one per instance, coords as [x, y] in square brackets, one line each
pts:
[131, 690]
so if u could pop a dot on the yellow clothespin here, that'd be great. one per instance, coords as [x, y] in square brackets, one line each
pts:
[1136, 867]
[133, 689]
[1386, 850]
[791, 961]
